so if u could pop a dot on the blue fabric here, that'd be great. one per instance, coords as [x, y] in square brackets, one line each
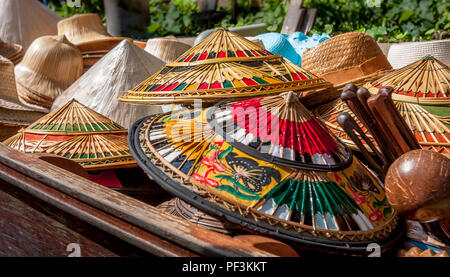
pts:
[291, 46]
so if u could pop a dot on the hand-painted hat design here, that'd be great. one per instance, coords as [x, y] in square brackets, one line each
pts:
[225, 65]
[421, 95]
[78, 133]
[332, 202]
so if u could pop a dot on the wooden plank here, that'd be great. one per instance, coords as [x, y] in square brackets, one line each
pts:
[294, 17]
[308, 21]
[181, 232]
[83, 212]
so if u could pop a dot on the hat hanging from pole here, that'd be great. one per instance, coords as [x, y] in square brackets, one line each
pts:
[421, 95]
[78, 133]
[23, 21]
[345, 58]
[166, 49]
[11, 51]
[123, 67]
[223, 66]
[50, 65]
[87, 32]
[269, 165]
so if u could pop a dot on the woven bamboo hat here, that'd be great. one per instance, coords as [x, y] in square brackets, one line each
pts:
[82, 28]
[421, 95]
[22, 21]
[122, 68]
[77, 133]
[295, 181]
[166, 49]
[225, 65]
[345, 58]
[12, 111]
[49, 66]
[11, 51]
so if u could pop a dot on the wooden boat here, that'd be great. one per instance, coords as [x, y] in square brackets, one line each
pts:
[46, 209]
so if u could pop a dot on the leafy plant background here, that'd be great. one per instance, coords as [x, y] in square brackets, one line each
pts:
[385, 20]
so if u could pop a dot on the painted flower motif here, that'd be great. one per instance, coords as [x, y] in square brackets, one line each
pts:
[205, 180]
[360, 199]
[375, 216]
[210, 162]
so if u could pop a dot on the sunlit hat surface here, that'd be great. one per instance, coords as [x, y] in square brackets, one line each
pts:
[295, 181]
[77, 133]
[223, 66]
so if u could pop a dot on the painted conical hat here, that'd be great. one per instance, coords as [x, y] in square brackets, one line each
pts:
[296, 200]
[225, 65]
[78, 133]
[426, 81]
[421, 95]
[22, 21]
[82, 28]
[123, 67]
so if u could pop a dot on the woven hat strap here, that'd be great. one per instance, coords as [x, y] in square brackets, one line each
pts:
[370, 66]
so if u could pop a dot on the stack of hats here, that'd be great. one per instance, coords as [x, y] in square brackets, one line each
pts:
[13, 114]
[345, 58]
[50, 65]
[167, 49]
[23, 21]
[122, 68]
[11, 51]
[223, 66]
[269, 165]
[421, 95]
[291, 46]
[87, 32]
[77, 133]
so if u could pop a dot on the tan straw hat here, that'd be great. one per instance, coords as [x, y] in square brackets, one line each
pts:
[166, 49]
[11, 51]
[345, 57]
[49, 66]
[83, 28]
[22, 21]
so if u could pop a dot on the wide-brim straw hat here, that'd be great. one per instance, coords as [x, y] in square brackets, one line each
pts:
[345, 58]
[267, 164]
[82, 28]
[22, 21]
[166, 49]
[49, 66]
[403, 54]
[122, 68]
[11, 51]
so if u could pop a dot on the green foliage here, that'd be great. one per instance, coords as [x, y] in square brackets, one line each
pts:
[91, 6]
[389, 21]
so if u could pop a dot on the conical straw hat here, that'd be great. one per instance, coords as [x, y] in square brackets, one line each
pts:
[82, 28]
[123, 67]
[78, 133]
[12, 112]
[11, 51]
[49, 66]
[166, 49]
[298, 182]
[22, 21]
[345, 57]
[224, 65]
[421, 95]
